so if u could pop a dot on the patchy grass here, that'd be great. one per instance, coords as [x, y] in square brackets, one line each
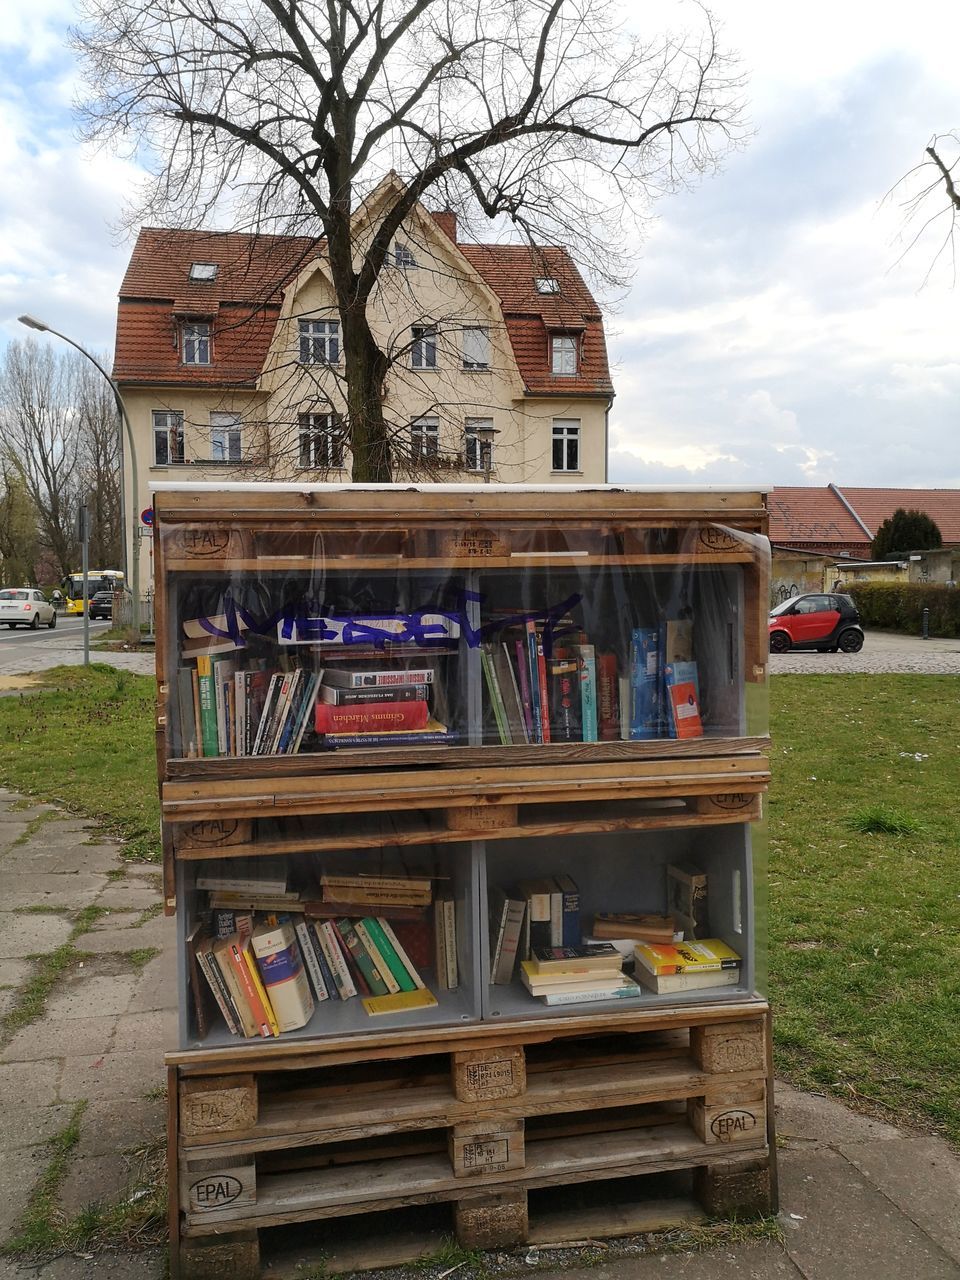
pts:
[85, 742]
[32, 998]
[33, 826]
[39, 1230]
[864, 829]
[140, 958]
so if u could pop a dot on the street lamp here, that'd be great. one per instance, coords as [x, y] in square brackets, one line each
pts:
[134, 557]
[485, 436]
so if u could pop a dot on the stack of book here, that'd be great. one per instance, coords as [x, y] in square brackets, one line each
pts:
[538, 696]
[686, 966]
[360, 707]
[577, 975]
[624, 930]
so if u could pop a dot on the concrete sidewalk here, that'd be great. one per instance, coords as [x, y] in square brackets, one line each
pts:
[860, 1200]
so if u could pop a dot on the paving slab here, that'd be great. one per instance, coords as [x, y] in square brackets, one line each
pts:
[107, 941]
[146, 1030]
[27, 1126]
[841, 1227]
[19, 1171]
[83, 857]
[114, 919]
[84, 995]
[69, 891]
[13, 971]
[115, 1077]
[122, 895]
[922, 1178]
[816, 1120]
[33, 934]
[32, 1088]
[60, 1038]
[8, 1001]
[95, 1180]
[107, 1128]
[156, 986]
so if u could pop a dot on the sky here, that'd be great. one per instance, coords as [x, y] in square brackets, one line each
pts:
[777, 329]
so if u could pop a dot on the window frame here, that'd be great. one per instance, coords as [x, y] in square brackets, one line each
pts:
[566, 432]
[232, 425]
[196, 347]
[426, 429]
[403, 256]
[484, 332]
[561, 343]
[423, 346]
[173, 423]
[328, 434]
[473, 446]
[319, 336]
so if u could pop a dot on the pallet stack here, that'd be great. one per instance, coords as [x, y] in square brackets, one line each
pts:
[496, 1114]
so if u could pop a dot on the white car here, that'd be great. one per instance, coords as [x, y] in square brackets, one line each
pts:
[26, 607]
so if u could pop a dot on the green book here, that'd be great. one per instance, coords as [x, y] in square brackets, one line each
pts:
[496, 702]
[362, 958]
[386, 949]
[206, 679]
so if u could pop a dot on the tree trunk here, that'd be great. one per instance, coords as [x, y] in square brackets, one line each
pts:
[366, 370]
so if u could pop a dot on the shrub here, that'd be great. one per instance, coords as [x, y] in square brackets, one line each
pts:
[900, 606]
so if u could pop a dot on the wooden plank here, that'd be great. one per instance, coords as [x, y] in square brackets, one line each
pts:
[205, 839]
[209, 1186]
[489, 817]
[172, 1172]
[607, 1221]
[340, 1190]
[359, 562]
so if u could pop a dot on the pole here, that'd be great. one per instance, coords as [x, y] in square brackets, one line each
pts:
[134, 556]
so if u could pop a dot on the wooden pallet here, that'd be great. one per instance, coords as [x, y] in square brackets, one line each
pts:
[476, 1129]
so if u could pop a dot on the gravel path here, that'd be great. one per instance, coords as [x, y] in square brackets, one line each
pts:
[883, 652]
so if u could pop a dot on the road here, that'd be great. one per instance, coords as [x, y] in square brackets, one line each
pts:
[22, 650]
[883, 652]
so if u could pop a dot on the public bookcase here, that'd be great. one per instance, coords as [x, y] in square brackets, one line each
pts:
[440, 693]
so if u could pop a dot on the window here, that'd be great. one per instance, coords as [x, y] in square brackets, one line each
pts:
[566, 444]
[474, 447]
[423, 348]
[225, 432]
[563, 358]
[424, 439]
[476, 348]
[196, 342]
[321, 441]
[402, 256]
[167, 437]
[203, 271]
[319, 341]
[547, 284]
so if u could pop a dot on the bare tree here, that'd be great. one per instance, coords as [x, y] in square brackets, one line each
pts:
[930, 198]
[541, 115]
[18, 531]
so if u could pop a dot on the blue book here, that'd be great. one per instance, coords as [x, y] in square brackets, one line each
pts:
[333, 991]
[645, 682]
[570, 910]
[533, 664]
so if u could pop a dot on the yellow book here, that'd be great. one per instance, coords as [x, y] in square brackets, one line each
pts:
[401, 1002]
[261, 990]
[705, 956]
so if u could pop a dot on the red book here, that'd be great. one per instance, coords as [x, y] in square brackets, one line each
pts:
[608, 696]
[242, 971]
[684, 709]
[359, 981]
[372, 717]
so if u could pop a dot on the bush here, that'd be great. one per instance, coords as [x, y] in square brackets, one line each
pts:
[899, 607]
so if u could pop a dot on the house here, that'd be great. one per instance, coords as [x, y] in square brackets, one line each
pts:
[821, 534]
[229, 358]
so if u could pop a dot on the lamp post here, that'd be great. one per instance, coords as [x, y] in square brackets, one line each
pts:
[134, 556]
[485, 445]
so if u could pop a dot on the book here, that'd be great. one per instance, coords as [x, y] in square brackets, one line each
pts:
[403, 1002]
[336, 960]
[683, 710]
[645, 677]
[199, 987]
[624, 989]
[433, 734]
[336, 696]
[401, 953]
[329, 981]
[255, 687]
[563, 695]
[595, 955]
[189, 747]
[510, 693]
[494, 695]
[569, 896]
[526, 698]
[374, 717]
[537, 924]
[587, 669]
[670, 983]
[646, 928]
[406, 890]
[223, 671]
[231, 956]
[687, 899]
[564, 980]
[246, 949]
[372, 948]
[540, 705]
[360, 679]
[214, 979]
[331, 908]
[242, 875]
[288, 709]
[414, 935]
[267, 713]
[206, 667]
[306, 711]
[278, 707]
[401, 975]
[445, 912]
[219, 627]
[361, 957]
[608, 697]
[311, 960]
[350, 959]
[706, 956]
[220, 955]
[284, 977]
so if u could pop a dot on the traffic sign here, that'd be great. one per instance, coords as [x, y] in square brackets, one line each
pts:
[147, 515]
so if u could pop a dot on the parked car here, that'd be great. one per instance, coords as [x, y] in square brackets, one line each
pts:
[26, 607]
[101, 605]
[826, 622]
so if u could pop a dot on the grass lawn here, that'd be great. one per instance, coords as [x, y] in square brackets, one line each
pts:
[864, 827]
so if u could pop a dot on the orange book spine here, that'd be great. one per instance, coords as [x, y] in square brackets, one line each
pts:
[238, 960]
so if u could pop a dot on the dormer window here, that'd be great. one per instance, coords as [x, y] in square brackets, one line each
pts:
[196, 341]
[547, 284]
[563, 355]
[203, 271]
[402, 256]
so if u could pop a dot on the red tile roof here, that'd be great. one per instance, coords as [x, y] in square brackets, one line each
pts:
[245, 299]
[807, 516]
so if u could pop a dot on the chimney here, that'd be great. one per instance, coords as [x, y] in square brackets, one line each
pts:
[446, 220]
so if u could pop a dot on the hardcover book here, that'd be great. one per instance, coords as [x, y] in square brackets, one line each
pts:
[283, 975]
[687, 898]
[342, 678]
[712, 954]
[645, 675]
[671, 983]
[374, 717]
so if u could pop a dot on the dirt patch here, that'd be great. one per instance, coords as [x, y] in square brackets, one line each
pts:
[10, 684]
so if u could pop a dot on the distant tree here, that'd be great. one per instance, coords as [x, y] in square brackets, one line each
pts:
[19, 548]
[903, 532]
[545, 116]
